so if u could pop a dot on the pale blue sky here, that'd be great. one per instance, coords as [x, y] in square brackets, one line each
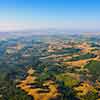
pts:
[42, 14]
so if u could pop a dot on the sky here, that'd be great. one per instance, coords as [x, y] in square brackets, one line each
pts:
[44, 14]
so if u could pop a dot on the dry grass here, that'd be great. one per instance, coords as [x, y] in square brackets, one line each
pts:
[34, 92]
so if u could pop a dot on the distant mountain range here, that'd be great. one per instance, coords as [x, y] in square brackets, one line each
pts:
[23, 33]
